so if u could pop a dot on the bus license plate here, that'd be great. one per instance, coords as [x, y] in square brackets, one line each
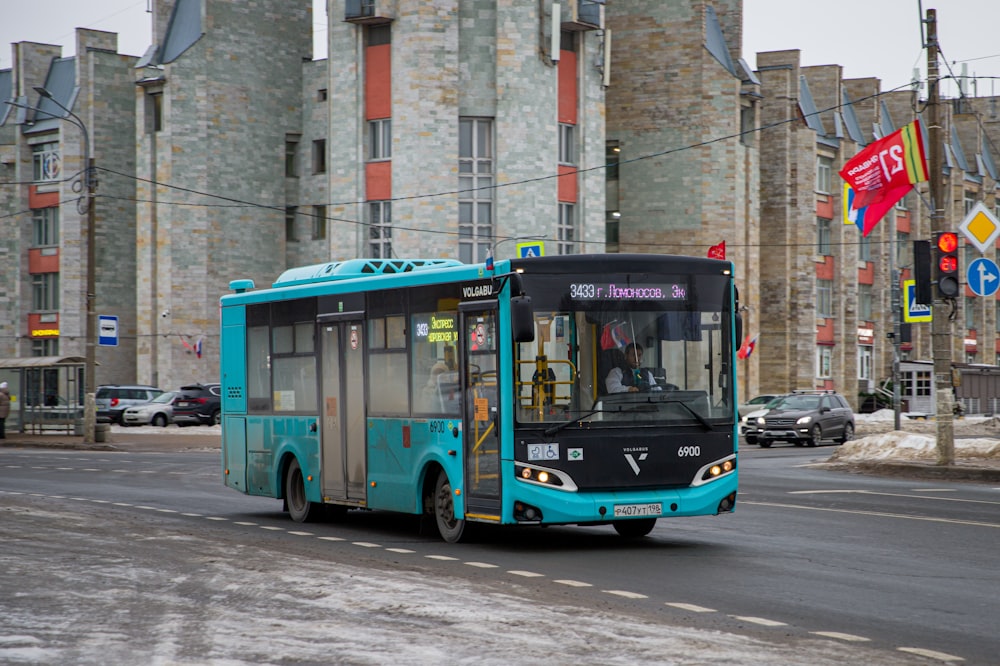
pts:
[629, 510]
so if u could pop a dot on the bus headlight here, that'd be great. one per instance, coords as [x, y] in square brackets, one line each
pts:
[716, 470]
[550, 478]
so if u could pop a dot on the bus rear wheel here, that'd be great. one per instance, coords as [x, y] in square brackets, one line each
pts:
[299, 508]
[450, 527]
[633, 529]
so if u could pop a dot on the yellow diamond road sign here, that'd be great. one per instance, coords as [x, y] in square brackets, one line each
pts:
[981, 227]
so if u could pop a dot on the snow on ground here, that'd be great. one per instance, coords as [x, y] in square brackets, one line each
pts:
[921, 446]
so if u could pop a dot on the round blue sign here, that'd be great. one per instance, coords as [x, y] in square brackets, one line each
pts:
[983, 277]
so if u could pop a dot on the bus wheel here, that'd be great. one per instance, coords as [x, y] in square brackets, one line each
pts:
[450, 527]
[300, 509]
[633, 529]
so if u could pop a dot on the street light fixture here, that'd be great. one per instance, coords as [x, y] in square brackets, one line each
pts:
[85, 205]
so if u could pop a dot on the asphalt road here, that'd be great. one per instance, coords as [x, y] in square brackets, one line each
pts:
[104, 552]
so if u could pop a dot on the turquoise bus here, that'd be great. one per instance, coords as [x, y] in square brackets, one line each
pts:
[479, 393]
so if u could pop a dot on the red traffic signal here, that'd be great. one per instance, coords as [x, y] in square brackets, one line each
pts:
[946, 264]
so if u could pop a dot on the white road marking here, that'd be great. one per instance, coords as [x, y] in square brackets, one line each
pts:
[690, 607]
[272, 528]
[328, 538]
[526, 574]
[881, 514]
[626, 594]
[762, 621]
[244, 523]
[300, 533]
[482, 565]
[573, 583]
[216, 518]
[443, 558]
[405, 551]
[930, 654]
[877, 494]
[366, 544]
[841, 637]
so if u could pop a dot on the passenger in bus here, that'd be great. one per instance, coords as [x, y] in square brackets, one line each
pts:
[627, 376]
[432, 389]
[4, 408]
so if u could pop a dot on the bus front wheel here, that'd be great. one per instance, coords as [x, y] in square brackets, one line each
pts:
[299, 508]
[633, 529]
[450, 527]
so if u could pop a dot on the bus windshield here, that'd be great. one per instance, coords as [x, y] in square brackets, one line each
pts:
[626, 350]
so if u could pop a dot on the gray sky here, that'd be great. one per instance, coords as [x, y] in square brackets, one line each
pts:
[868, 37]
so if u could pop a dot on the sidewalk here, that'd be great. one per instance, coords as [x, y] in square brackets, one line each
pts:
[122, 439]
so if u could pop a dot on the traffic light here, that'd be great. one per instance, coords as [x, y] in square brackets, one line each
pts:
[922, 272]
[946, 264]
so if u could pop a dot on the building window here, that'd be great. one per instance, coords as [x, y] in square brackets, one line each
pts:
[291, 164]
[824, 361]
[380, 139]
[901, 204]
[46, 162]
[865, 302]
[45, 347]
[567, 229]
[379, 34]
[475, 184]
[45, 226]
[904, 250]
[865, 249]
[44, 292]
[824, 174]
[321, 95]
[969, 200]
[747, 128]
[823, 235]
[319, 222]
[612, 155]
[567, 144]
[319, 156]
[380, 229]
[154, 112]
[824, 298]
[611, 230]
[290, 234]
[864, 362]
[970, 313]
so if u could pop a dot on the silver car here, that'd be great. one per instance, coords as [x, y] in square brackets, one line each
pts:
[159, 412]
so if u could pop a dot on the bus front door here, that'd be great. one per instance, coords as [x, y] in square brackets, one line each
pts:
[343, 435]
[481, 422]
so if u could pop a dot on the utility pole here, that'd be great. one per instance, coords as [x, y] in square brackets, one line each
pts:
[941, 324]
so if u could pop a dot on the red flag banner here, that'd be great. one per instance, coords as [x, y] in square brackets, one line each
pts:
[717, 251]
[886, 166]
[749, 344]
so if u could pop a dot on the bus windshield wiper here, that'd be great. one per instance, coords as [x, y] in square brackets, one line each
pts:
[559, 426]
[701, 419]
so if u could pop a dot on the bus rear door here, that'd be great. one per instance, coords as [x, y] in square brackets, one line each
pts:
[343, 381]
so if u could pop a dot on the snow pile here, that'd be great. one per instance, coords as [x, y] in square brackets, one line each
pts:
[899, 446]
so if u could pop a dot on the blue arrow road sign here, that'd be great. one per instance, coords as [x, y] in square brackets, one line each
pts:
[983, 277]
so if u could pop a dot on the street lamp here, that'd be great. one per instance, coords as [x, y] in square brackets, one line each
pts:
[85, 205]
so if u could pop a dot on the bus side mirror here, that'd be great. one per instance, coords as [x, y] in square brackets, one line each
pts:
[522, 319]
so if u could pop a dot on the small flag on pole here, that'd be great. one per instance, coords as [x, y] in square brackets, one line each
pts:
[717, 251]
[747, 347]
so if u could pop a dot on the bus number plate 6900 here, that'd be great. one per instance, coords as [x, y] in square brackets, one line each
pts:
[629, 510]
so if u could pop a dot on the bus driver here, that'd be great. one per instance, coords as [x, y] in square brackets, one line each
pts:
[628, 377]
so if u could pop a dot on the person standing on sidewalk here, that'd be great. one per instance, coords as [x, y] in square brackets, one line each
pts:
[4, 408]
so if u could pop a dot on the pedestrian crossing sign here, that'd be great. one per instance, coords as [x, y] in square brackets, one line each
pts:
[534, 249]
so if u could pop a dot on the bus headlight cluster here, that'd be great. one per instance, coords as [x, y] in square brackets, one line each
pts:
[539, 476]
[724, 467]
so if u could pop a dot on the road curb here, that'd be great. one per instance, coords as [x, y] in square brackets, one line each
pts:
[921, 470]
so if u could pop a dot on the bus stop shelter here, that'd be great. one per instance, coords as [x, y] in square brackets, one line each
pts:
[46, 393]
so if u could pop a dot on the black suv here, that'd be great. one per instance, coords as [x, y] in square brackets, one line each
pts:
[806, 417]
[198, 404]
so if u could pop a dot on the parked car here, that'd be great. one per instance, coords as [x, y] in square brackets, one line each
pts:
[756, 404]
[159, 412]
[198, 404]
[748, 424]
[112, 400]
[806, 417]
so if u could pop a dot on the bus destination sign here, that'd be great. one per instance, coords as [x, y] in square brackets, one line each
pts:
[595, 291]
